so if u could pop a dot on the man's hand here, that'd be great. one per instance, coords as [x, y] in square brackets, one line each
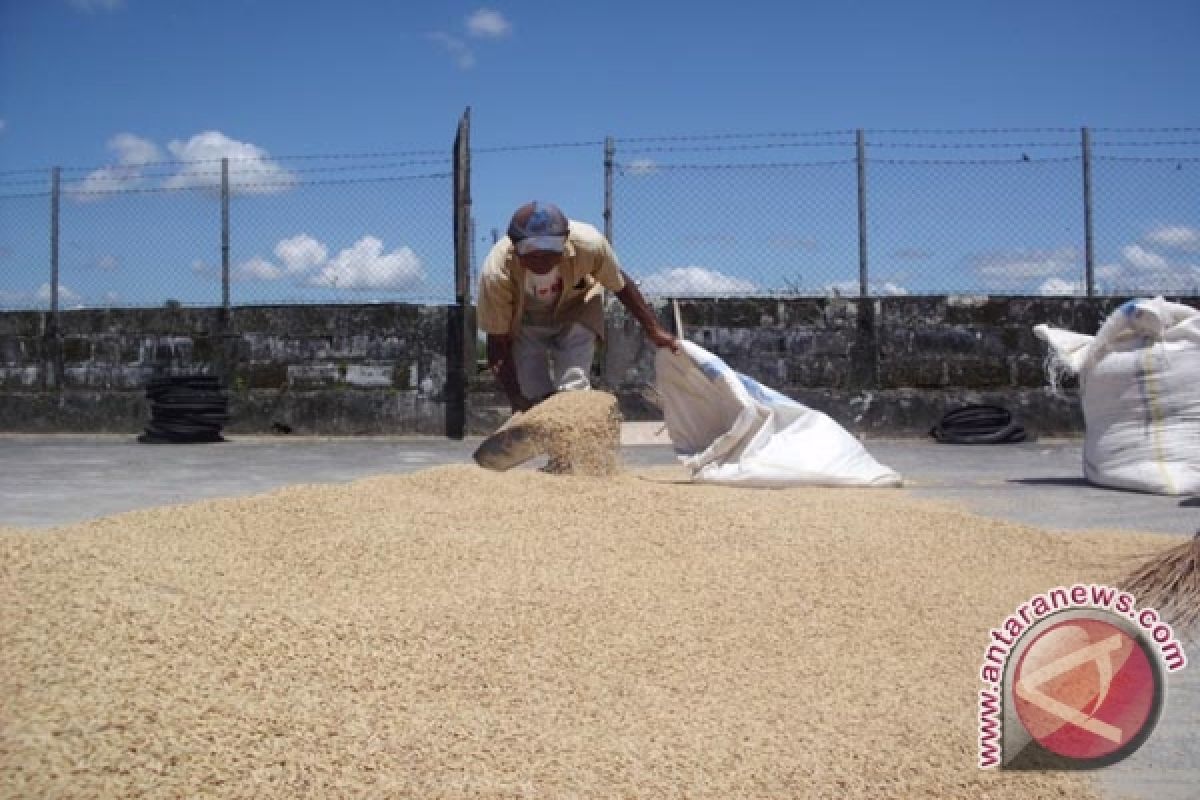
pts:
[499, 356]
[661, 338]
[632, 299]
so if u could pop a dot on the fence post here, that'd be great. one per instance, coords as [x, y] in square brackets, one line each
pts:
[610, 151]
[225, 353]
[225, 237]
[861, 158]
[52, 370]
[1089, 252]
[460, 333]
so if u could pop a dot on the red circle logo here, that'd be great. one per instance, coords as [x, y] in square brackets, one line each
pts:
[1085, 689]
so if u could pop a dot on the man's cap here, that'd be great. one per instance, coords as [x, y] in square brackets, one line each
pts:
[538, 227]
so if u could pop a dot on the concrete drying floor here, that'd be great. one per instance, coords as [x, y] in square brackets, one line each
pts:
[50, 480]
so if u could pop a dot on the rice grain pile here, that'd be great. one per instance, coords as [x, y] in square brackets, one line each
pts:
[580, 431]
[463, 633]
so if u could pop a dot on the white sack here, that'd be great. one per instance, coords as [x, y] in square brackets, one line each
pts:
[728, 428]
[1140, 387]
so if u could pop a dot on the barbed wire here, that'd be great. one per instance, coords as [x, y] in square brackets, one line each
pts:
[1185, 143]
[542, 146]
[1148, 130]
[1024, 159]
[25, 196]
[664, 147]
[643, 169]
[969, 145]
[331, 156]
[27, 171]
[1151, 159]
[966, 131]
[647, 169]
[241, 187]
[42, 181]
[720, 136]
[115, 175]
[258, 159]
[732, 147]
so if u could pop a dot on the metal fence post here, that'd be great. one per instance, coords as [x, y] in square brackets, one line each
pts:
[55, 198]
[861, 158]
[52, 369]
[610, 151]
[225, 237]
[460, 334]
[1089, 251]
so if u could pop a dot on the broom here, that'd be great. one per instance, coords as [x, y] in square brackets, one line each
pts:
[1170, 583]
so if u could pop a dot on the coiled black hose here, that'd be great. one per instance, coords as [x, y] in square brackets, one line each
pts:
[185, 409]
[978, 424]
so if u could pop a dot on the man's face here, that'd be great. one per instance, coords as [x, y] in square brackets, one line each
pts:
[540, 262]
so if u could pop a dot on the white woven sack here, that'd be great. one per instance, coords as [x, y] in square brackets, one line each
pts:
[1140, 388]
[730, 429]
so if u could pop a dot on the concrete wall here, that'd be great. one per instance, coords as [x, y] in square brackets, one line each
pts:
[890, 365]
[311, 369]
[878, 366]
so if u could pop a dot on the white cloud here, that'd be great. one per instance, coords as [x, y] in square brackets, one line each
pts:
[257, 269]
[108, 263]
[488, 24]
[694, 280]
[846, 288]
[97, 5]
[1021, 265]
[1052, 286]
[1141, 258]
[456, 47]
[251, 170]
[1134, 280]
[365, 266]
[301, 253]
[132, 153]
[1176, 237]
[641, 166]
[65, 295]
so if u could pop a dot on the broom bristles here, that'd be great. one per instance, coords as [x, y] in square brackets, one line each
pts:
[1170, 584]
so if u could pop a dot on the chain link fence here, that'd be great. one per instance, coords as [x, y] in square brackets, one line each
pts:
[722, 217]
[1051, 211]
[875, 212]
[250, 231]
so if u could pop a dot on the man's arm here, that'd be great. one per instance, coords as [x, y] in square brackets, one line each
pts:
[631, 297]
[500, 362]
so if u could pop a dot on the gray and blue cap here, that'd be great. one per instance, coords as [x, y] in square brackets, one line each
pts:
[538, 227]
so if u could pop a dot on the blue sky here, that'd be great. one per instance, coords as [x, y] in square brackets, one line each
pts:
[111, 86]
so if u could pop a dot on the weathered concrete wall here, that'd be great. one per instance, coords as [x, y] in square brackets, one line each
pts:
[878, 366]
[890, 365]
[310, 369]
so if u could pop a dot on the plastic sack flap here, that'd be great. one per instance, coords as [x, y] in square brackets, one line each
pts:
[1133, 325]
[728, 428]
[709, 416]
